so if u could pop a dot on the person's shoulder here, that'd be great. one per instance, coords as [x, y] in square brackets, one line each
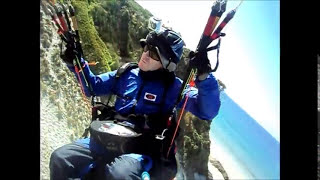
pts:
[177, 83]
[212, 76]
[177, 80]
[128, 68]
[135, 71]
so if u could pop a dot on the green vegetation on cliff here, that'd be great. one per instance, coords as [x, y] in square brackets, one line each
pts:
[194, 145]
[110, 31]
[93, 47]
[120, 25]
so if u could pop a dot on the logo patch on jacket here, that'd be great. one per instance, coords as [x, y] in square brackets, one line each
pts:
[150, 97]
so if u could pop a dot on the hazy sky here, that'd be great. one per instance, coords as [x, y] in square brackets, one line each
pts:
[249, 54]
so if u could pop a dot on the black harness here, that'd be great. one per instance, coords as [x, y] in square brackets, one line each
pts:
[152, 133]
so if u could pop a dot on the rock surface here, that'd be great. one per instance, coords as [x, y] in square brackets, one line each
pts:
[64, 113]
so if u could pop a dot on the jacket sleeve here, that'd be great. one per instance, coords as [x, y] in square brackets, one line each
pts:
[203, 101]
[101, 84]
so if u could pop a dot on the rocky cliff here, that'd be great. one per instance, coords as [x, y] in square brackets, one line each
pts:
[64, 111]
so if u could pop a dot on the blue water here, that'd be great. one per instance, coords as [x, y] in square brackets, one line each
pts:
[249, 143]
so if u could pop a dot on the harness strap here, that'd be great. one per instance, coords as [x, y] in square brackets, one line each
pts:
[120, 71]
[217, 47]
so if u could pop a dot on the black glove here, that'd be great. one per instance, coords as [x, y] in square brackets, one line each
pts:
[200, 61]
[69, 54]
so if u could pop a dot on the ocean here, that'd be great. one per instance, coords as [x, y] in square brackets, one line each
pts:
[244, 148]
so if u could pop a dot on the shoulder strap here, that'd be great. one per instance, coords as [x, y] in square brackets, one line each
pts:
[125, 67]
[122, 69]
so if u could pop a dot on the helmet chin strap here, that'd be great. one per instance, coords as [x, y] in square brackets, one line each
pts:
[171, 66]
[166, 63]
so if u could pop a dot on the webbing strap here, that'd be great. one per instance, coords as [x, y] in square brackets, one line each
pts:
[217, 46]
[120, 71]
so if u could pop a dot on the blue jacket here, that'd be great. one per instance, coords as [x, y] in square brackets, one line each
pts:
[203, 102]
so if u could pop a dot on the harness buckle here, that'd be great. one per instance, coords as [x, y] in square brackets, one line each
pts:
[161, 137]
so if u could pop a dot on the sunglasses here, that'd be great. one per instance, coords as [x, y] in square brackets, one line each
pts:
[153, 53]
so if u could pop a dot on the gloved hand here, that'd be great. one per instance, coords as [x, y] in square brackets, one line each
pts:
[200, 61]
[69, 54]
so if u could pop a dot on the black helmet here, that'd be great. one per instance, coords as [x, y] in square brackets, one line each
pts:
[170, 47]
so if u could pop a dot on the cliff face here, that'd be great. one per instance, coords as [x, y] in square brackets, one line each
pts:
[110, 37]
[64, 112]
[120, 24]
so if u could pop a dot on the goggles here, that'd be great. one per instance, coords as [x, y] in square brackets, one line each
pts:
[153, 51]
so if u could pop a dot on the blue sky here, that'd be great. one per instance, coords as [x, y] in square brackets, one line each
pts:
[249, 54]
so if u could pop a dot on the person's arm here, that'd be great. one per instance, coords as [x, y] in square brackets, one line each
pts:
[203, 101]
[101, 84]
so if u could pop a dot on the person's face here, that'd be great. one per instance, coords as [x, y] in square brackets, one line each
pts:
[150, 60]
